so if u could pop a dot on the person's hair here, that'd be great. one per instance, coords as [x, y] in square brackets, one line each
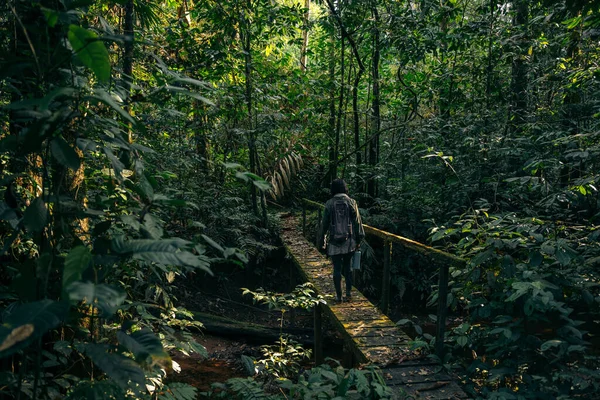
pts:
[338, 186]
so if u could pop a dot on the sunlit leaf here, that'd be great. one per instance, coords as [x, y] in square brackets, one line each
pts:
[90, 51]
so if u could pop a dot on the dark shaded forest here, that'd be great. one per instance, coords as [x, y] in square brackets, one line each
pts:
[148, 147]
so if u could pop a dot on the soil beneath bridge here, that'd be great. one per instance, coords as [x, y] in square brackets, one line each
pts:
[222, 296]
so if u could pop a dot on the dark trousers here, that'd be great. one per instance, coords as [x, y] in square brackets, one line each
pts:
[341, 265]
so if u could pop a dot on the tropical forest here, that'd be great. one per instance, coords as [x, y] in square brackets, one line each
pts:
[169, 170]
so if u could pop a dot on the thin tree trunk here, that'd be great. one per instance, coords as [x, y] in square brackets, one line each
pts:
[376, 115]
[490, 66]
[340, 110]
[304, 51]
[520, 67]
[128, 32]
[331, 121]
[356, 120]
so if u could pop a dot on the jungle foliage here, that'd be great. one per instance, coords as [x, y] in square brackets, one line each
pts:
[141, 142]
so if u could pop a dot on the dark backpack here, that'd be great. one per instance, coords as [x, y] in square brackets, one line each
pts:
[341, 221]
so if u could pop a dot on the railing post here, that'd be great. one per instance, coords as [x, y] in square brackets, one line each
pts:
[385, 288]
[440, 329]
[318, 335]
[318, 235]
[303, 219]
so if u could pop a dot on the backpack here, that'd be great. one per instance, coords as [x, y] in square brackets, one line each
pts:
[341, 223]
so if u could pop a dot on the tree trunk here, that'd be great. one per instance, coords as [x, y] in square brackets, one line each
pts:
[250, 332]
[304, 51]
[519, 67]
[332, 173]
[376, 115]
[128, 32]
[356, 119]
[340, 110]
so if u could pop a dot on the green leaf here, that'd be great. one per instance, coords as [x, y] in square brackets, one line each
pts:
[76, 262]
[529, 307]
[96, 390]
[562, 256]
[122, 370]
[550, 343]
[248, 363]
[547, 248]
[105, 297]
[90, 51]
[28, 322]
[165, 252]
[256, 180]
[143, 343]
[213, 243]
[195, 95]
[178, 391]
[35, 217]
[462, 341]
[51, 17]
[64, 154]
[482, 257]
[103, 96]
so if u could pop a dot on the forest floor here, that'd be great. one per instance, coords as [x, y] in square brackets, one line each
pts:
[222, 296]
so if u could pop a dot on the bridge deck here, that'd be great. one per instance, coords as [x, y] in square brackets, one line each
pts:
[372, 336]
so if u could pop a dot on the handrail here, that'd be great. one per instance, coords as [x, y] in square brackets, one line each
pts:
[443, 258]
[411, 244]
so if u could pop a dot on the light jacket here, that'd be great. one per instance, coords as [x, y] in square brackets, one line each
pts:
[357, 228]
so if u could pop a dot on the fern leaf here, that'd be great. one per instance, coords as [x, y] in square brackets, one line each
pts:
[274, 192]
[298, 159]
[284, 176]
[280, 184]
[289, 159]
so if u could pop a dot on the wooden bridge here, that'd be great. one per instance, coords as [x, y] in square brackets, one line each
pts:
[369, 334]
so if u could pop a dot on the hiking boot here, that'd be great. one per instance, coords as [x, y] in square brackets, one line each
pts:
[348, 296]
[338, 300]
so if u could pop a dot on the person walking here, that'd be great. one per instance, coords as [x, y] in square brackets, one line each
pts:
[342, 223]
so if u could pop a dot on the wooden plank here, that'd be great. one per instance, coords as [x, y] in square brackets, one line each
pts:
[385, 355]
[443, 390]
[378, 323]
[356, 314]
[368, 331]
[378, 341]
[401, 374]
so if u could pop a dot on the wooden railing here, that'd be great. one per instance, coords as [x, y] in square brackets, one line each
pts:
[440, 258]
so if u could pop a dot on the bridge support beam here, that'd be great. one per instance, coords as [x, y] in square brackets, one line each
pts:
[319, 227]
[303, 220]
[318, 314]
[385, 288]
[442, 311]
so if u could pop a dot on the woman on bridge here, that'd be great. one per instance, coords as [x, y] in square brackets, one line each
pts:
[345, 234]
